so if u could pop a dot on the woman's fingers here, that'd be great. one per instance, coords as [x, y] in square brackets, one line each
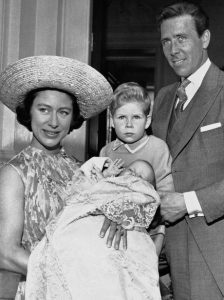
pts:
[125, 239]
[116, 234]
[121, 234]
[105, 227]
[112, 233]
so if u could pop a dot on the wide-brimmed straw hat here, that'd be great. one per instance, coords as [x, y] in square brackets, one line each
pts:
[91, 89]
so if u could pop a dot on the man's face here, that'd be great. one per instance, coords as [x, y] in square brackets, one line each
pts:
[184, 50]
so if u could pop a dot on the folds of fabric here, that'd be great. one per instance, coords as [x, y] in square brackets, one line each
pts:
[73, 262]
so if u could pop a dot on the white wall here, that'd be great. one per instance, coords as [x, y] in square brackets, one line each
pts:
[41, 27]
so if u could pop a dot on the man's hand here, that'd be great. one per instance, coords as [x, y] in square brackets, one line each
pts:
[172, 206]
[116, 233]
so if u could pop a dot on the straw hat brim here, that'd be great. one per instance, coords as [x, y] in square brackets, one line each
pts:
[91, 89]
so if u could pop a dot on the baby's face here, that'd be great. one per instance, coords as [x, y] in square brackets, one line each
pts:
[129, 171]
[139, 171]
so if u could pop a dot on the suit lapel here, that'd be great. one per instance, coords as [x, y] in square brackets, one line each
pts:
[164, 111]
[197, 110]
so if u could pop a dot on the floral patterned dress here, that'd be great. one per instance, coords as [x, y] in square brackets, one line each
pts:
[42, 173]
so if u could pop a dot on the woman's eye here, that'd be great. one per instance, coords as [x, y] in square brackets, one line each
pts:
[137, 117]
[43, 110]
[121, 117]
[64, 113]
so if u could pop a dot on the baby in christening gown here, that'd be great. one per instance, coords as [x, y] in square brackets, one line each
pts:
[72, 262]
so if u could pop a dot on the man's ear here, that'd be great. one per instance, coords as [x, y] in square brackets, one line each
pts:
[206, 38]
[148, 121]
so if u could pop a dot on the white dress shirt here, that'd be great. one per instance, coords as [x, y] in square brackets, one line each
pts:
[191, 200]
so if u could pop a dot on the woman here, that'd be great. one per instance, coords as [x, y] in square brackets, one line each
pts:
[51, 96]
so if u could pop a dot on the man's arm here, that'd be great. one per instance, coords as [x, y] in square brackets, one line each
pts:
[193, 206]
[174, 206]
[210, 199]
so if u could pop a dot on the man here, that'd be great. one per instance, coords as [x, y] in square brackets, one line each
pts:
[193, 129]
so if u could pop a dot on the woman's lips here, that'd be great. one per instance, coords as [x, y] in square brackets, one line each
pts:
[51, 133]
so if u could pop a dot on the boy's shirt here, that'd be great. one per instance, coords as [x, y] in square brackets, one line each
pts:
[134, 147]
[151, 149]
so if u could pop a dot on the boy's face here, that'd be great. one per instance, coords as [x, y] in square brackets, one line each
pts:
[130, 122]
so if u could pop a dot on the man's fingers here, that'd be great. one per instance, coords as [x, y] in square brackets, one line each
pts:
[106, 225]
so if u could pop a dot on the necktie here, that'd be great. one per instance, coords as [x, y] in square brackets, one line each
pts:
[181, 94]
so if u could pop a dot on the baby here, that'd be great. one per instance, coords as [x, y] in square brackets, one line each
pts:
[77, 262]
[138, 177]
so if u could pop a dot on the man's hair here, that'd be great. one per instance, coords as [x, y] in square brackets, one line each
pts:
[130, 92]
[186, 8]
[24, 108]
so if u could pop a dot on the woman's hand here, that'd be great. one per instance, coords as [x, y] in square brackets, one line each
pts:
[116, 233]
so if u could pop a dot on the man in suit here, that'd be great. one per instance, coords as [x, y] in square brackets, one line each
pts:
[194, 214]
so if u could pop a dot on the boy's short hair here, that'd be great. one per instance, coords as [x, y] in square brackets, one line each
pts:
[130, 92]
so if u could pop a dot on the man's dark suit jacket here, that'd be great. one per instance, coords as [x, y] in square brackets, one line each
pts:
[195, 246]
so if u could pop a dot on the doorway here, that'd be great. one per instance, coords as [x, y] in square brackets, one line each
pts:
[125, 47]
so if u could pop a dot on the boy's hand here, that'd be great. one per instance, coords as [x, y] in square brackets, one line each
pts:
[116, 232]
[114, 168]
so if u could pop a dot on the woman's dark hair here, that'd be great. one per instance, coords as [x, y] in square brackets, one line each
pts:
[24, 108]
[186, 8]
